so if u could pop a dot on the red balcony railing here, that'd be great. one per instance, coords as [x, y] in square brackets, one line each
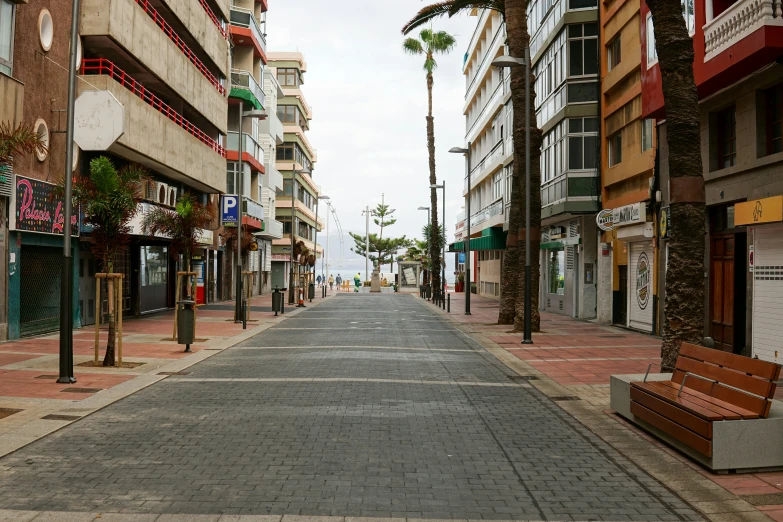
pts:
[102, 66]
[174, 37]
[214, 18]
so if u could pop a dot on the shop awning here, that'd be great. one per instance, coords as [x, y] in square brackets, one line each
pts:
[492, 238]
[246, 95]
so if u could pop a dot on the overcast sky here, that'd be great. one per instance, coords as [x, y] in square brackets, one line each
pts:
[369, 103]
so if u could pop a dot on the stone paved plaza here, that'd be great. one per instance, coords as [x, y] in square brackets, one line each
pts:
[366, 405]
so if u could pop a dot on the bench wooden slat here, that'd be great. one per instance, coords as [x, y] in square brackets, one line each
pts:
[701, 408]
[748, 383]
[749, 402]
[684, 435]
[682, 417]
[694, 395]
[762, 369]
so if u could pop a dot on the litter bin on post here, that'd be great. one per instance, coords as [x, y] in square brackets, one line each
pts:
[277, 300]
[186, 320]
[311, 292]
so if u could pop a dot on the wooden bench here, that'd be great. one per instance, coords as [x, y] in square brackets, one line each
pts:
[707, 386]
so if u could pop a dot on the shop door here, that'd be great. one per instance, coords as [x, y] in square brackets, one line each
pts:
[154, 278]
[556, 281]
[87, 287]
[621, 305]
[640, 285]
[768, 293]
[722, 298]
[39, 295]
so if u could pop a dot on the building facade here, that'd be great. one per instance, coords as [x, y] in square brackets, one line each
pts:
[296, 203]
[565, 64]
[739, 79]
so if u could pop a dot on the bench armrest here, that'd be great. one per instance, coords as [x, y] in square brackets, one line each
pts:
[689, 374]
[661, 365]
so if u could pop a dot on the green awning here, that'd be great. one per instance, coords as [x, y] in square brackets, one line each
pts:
[245, 94]
[492, 238]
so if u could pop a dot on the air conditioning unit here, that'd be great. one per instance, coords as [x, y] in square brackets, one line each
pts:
[172, 196]
[162, 193]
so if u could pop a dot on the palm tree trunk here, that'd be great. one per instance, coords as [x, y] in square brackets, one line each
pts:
[108, 359]
[685, 292]
[434, 229]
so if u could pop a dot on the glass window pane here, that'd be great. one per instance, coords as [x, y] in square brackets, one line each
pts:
[575, 58]
[591, 152]
[591, 124]
[6, 30]
[574, 30]
[582, 92]
[591, 56]
[575, 125]
[591, 29]
[575, 153]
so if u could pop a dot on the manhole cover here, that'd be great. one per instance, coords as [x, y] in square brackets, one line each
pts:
[765, 499]
[7, 412]
[522, 378]
[565, 398]
[54, 416]
[47, 377]
[81, 390]
[173, 373]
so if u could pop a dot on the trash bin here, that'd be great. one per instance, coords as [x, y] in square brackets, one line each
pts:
[186, 318]
[311, 291]
[277, 299]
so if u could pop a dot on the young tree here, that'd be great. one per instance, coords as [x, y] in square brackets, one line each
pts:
[684, 303]
[517, 40]
[429, 44]
[109, 199]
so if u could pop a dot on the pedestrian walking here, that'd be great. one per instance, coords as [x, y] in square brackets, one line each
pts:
[357, 280]
[318, 280]
[331, 283]
[339, 281]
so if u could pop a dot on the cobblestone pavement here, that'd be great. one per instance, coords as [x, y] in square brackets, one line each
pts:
[368, 405]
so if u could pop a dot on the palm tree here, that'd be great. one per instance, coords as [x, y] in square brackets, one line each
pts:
[17, 141]
[109, 199]
[429, 44]
[684, 303]
[517, 40]
[183, 225]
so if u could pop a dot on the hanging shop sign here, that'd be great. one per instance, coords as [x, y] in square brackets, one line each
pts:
[604, 220]
[758, 211]
[643, 281]
[253, 246]
[663, 226]
[39, 210]
[557, 232]
[629, 214]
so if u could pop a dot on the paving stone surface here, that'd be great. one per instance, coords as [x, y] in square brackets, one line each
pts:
[345, 448]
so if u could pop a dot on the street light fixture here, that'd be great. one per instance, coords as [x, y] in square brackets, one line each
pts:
[293, 211]
[510, 61]
[315, 241]
[466, 152]
[443, 248]
[428, 239]
[239, 312]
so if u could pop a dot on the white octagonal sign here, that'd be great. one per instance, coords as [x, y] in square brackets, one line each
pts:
[99, 120]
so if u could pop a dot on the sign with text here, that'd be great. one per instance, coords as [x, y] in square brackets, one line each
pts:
[757, 211]
[229, 211]
[629, 214]
[38, 210]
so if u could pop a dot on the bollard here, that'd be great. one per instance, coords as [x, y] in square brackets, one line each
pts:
[244, 314]
[448, 303]
[443, 299]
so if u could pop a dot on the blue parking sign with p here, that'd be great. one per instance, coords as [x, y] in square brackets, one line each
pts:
[229, 211]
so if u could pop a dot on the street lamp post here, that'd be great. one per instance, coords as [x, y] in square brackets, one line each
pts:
[466, 152]
[429, 233]
[443, 247]
[293, 212]
[509, 61]
[315, 240]
[239, 312]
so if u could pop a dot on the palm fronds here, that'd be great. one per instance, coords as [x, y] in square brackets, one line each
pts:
[450, 8]
[183, 225]
[18, 141]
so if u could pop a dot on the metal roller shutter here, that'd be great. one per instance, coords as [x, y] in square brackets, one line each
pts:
[768, 293]
[640, 285]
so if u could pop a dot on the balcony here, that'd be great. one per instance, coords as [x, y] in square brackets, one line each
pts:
[489, 110]
[737, 22]
[133, 35]
[252, 153]
[490, 163]
[155, 135]
[244, 25]
[273, 180]
[576, 192]
[273, 229]
[486, 61]
[245, 86]
[485, 214]
[272, 127]
[202, 23]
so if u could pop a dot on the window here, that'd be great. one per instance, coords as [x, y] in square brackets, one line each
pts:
[652, 53]
[550, 71]
[774, 117]
[583, 92]
[553, 162]
[647, 134]
[288, 77]
[687, 14]
[582, 143]
[727, 138]
[582, 49]
[497, 185]
[613, 51]
[7, 11]
[615, 149]
[286, 190]
[286, 221]
[556, 272]
[582, 4]
[293, 152]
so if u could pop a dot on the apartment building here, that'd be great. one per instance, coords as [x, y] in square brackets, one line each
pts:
[628, 257]
[738, 73]
[167, 66]
[488, 124]
[247, 31]
[296, 203]
[565, 63]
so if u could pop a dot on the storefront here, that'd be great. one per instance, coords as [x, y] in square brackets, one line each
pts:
[764, 219]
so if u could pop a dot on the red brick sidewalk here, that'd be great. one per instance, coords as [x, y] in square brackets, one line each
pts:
[581, 356]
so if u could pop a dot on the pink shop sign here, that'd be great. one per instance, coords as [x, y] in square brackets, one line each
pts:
[39, 210]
